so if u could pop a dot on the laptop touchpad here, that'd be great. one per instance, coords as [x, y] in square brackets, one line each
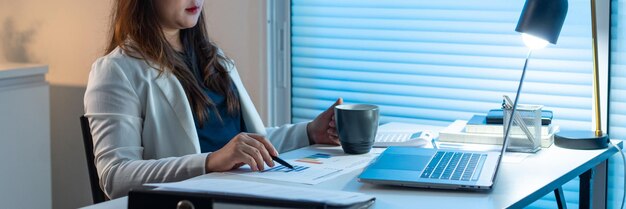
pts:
[402, 162]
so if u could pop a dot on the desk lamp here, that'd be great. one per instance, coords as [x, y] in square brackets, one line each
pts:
[540, 23]
[588, 139]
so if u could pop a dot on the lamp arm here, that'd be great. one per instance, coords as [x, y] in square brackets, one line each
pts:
[519, 89]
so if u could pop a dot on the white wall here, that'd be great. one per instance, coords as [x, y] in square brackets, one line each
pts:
[238, 26]
[69, 35]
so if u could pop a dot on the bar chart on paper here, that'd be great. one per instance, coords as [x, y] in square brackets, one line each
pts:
[300, 173]
[282, 168]
[311, 166]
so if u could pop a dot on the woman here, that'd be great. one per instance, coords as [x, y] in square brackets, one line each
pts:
[165, 104]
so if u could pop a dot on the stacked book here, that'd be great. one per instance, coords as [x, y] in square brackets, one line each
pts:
[488, 129]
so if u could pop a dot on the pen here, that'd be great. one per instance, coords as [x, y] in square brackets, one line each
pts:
[282, 162]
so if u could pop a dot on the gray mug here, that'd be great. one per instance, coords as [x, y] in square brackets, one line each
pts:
[356, 126]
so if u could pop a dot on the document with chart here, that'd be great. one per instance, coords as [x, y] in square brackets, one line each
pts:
[312, 165]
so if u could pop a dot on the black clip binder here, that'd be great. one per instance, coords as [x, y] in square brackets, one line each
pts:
[149, 197]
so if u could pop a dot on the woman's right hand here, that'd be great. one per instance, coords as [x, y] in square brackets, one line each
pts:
[244, 148]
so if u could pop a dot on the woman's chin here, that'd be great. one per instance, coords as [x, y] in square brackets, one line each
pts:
[187, 24]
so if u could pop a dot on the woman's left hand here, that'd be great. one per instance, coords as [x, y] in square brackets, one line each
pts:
[322, 130]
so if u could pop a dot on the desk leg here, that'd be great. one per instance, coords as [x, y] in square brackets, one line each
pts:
[584, 197]
[599, 184]
[560, 199]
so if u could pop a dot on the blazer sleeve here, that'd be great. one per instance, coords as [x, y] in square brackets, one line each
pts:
[114, 111]
[288, 137]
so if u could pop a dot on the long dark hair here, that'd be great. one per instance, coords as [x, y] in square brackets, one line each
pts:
[135, 29]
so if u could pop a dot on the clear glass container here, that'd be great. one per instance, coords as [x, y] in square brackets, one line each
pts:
[525, 134]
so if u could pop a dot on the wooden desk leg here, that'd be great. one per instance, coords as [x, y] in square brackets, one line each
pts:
[584, 197]
[560, 199]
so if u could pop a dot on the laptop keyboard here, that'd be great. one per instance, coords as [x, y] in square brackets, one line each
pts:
[463, 166]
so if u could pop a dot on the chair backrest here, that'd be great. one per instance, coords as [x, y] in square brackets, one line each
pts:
[96, 192]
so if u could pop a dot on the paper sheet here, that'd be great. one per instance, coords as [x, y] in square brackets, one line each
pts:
[312, 165]
[269, 191]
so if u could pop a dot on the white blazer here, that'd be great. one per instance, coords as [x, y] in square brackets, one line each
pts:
[143, 129]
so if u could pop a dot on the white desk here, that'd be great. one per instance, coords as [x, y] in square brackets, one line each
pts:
[517, 185]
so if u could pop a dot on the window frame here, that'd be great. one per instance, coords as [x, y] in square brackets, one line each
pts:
[279, 61]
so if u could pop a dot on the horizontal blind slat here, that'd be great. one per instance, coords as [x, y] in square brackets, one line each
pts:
[433, 36]
[445, 59]
[314, 64]
[466, 25]
[404, 13]
[466, 94]
[438, 48]
[487, 84]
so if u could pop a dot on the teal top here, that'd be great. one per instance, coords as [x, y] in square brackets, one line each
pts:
[215, 133]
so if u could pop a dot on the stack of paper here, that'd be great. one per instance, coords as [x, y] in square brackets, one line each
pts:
[478, 124]
[455, 132]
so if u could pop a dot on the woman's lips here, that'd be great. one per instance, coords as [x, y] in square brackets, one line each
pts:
[193, 9]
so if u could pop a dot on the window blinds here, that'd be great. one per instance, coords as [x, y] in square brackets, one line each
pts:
[433, 62]
[617, 93]
[617, 99]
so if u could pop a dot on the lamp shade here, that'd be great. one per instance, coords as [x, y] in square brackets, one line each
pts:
[543, 19]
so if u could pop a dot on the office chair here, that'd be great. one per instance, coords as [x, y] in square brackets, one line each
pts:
[96, 192]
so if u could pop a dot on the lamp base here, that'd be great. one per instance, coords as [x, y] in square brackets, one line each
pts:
[581, 140]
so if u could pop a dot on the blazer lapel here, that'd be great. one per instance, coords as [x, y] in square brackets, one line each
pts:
[176, 97]
[251, 117]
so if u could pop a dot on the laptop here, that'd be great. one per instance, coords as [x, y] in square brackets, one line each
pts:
[435, 168]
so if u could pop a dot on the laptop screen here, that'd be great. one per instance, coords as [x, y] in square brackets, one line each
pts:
[505, 144]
